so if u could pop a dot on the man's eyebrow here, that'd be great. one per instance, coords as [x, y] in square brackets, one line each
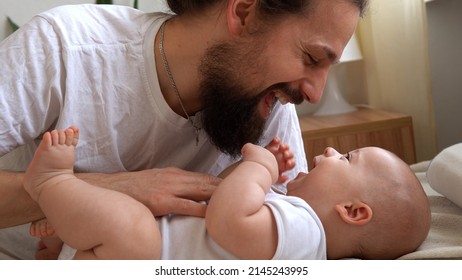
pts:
[330, 54]
[328, 51]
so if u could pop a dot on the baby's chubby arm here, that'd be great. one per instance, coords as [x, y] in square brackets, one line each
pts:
[284, 157]
[236, 217]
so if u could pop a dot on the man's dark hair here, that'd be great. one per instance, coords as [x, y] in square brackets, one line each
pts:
[266, 7]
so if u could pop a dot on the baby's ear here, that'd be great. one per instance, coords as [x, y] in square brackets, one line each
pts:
[355, 213]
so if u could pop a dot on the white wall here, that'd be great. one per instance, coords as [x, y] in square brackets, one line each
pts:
[352, 86]
[21, 11]
[445, 45]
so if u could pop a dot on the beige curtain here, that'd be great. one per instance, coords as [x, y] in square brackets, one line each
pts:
[393, 36]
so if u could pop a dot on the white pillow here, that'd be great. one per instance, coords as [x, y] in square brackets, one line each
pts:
[444, 173]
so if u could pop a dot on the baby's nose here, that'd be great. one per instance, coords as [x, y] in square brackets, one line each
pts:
[329, 152]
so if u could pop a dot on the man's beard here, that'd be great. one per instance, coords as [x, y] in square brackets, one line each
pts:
[230, 113]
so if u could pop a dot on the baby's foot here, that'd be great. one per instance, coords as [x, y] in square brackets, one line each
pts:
[258, 154]
[53, 161]
[41, 228]
[50, 245]
[49, 248]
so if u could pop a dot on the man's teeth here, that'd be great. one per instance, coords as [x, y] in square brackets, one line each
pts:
[281, 98]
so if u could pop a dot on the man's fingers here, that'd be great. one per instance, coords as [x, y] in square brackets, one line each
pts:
[187, 177]
[200, 187]
[171, 190]
[189, 208]
[199, 192]
[206, 179]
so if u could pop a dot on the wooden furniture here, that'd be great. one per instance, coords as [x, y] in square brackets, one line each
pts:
[365, 127]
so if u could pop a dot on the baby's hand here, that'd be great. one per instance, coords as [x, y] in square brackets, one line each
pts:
[284, 158]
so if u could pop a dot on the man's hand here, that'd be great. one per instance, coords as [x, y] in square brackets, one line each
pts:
[163, 191]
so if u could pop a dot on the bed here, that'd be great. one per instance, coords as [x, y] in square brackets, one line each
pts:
[440, 177]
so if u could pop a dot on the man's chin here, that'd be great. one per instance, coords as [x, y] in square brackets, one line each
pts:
[231, 143]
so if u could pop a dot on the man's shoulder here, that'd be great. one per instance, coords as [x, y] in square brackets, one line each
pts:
[88, 10]
[105, 24]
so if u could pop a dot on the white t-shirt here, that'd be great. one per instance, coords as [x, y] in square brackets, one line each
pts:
[300, 234]
[93, 66]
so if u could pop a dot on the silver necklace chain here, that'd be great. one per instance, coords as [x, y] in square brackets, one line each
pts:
[172, 81]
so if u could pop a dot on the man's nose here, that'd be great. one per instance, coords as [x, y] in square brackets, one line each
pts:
[313, 87]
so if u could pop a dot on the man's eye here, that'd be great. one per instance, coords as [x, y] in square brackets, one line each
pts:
[310, 60]
[313, 60]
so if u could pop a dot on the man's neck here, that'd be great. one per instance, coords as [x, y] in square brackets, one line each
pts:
[185, 41]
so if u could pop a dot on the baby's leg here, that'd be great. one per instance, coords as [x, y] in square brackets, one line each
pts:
[49, 248]
[99, 223]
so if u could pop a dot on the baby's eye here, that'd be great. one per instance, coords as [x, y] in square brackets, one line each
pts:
[347, 156]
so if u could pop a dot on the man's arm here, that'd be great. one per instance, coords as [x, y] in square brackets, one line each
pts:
[163, 191]
[16, 206]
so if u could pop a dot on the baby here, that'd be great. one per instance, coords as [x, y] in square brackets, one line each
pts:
[367, 204]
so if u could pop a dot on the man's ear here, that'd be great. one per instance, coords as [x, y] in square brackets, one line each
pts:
[239, 13]
[356, 213]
